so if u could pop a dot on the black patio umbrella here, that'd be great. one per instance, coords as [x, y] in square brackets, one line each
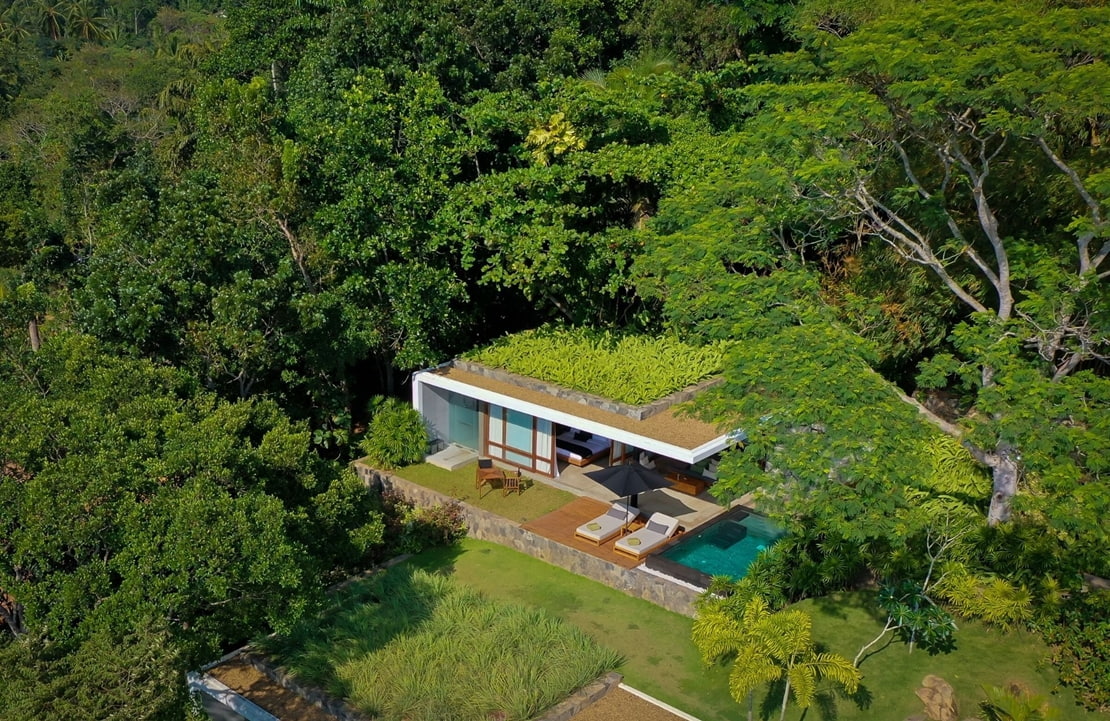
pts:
[629, 479]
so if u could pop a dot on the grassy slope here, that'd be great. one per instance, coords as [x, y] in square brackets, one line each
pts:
[656, 643]
[443, 634]
[662, 661]
[536, 500]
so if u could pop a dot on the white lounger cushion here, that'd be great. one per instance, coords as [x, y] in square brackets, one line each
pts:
[659, 528]
[608, 525]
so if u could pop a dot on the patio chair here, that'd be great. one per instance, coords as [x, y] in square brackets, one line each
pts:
[486, 472]
[659, 529]
[605, 526]
[511, 481]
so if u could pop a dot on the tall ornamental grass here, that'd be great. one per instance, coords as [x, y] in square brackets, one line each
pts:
[410, 645]
[632, 369]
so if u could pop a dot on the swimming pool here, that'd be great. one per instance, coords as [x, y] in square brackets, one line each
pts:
[724, 547]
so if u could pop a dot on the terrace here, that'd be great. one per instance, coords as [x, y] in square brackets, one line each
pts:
[554, 507]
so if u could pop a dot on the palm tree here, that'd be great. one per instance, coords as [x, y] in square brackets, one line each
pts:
[51, 18]
[13, 27]
[1016, 703]
[85, 22]
[767, 647]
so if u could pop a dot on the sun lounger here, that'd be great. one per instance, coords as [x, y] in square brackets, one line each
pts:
[604, 527]
[658, 530]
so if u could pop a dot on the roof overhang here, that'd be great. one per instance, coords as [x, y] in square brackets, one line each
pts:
[652, 445]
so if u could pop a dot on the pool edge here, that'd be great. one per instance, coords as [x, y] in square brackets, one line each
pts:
[683, 573]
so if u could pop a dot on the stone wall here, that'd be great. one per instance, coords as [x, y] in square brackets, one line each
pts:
[486, 526]
[338, 708]
[583, 697]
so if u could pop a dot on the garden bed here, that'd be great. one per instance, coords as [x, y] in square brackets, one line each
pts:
[406, 644]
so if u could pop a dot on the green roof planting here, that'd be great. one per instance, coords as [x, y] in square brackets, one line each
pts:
[634, 369]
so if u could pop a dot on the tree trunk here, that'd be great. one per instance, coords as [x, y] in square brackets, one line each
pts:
[785, 697]
[33, 332]
[11, 612]
[751, 705]
[1005, 471]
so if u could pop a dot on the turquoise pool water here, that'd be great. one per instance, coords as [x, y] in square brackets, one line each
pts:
[726, 548]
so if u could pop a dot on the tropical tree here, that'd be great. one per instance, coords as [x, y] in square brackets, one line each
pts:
[83, 20]
[13, 26]
[927, 158]
[51, 18]
[766, 647]
[955, 123]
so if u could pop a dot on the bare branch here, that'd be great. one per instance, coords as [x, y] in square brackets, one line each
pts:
[948, 219]
[897, 233]
[949, 428]
[1085, 262]
[988, 221]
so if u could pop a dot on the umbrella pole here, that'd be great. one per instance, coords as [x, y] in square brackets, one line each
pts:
[633, 500]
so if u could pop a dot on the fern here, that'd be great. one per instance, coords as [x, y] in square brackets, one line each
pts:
[992, 599]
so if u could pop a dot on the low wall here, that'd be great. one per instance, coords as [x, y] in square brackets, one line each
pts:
[582, 698]
[486, 526]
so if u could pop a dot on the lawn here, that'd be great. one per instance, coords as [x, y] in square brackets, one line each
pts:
[536, 499]
[845, 622]
[661, 660]
[406, 645]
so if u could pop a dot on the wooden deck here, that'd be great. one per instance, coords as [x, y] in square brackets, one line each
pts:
[559, 526]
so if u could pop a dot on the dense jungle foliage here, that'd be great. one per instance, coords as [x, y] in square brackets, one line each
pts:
[225, 226]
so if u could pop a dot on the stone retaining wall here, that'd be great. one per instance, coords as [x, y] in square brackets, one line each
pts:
[587, 695]
[486, 526]
[338, 708]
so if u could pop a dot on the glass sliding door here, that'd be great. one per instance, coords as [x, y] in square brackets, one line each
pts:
[463, 420]
[521, 439]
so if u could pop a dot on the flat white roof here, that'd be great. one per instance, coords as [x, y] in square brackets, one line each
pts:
[650, 434]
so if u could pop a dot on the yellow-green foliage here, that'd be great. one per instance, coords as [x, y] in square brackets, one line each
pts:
[628, 368]
[992, 599]
[954, 471]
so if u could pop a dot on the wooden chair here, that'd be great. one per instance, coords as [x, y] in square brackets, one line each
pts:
[486, 472]
[510, 481]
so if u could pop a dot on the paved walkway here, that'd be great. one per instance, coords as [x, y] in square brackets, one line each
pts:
[622, 705]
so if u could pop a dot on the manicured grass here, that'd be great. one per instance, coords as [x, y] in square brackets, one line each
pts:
[405, 645]
[656, 643]
[661, 660]
[983, 656]
[537, 499]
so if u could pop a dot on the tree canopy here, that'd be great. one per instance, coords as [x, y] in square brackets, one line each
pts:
[226, 227]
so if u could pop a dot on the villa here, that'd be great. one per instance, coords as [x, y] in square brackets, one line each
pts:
[540, 426]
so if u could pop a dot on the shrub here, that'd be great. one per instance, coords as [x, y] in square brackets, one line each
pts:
[439, 525]
[397, 435]
[410, 529]
[627, 368]
[994, 600]
[1080, 640]
[1015, 701]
